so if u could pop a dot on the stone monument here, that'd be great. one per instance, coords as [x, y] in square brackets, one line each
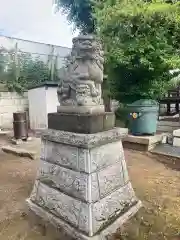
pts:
[82, 186]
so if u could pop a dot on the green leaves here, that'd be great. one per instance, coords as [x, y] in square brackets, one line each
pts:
[79, 13]
[142, 43]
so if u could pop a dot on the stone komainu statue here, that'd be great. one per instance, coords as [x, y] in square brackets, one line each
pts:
[80, 84]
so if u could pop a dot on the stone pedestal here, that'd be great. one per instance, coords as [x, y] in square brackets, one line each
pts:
[82, 186]
[81, 123]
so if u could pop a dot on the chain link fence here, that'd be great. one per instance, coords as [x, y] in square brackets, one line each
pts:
[24, 64]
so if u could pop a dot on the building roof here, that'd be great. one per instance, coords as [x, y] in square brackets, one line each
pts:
[45, 84]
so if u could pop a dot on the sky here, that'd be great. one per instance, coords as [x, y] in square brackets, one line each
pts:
[35, 20]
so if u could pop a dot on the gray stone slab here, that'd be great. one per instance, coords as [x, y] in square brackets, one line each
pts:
[112, 206]
[60, 154]
[101, 170]
[176, 133]
[75, 184]
[81, 123]
[89, 218]
[63, 206]
[110, 179]
[85, 140]
[21, 152]
[82, 159]
[167, 150]
[64, 228]
[106, 155]
[176, 141]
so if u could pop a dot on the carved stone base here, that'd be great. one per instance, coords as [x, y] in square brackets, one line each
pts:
[82, 185]
[82, 109]
[81, 123]
[62, 230]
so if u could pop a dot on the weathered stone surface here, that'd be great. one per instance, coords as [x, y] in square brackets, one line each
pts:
[19, 152]
[34, 191]
[81, 123]
[80, 84]
[84, 140]
[124, 169]
[80, 159]
[176, 141]
[144, 143]
[73, 183]
[176, 138]
[112, 206]
[81, 109]
[93, 188]
[176, 133]
[106, 155]
[89, 218]
[63, 206]
[87, 187]
[64, 228]
[110, 179]
[67, 180]
[83, 184]
[60, 154]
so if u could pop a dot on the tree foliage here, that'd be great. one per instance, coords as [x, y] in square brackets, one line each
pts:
[141, 40]
[142, 43]
[79, 13]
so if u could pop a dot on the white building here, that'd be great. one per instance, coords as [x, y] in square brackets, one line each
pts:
[42, 100]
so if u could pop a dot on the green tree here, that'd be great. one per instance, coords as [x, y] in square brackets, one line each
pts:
[79, 13]
[142, 43]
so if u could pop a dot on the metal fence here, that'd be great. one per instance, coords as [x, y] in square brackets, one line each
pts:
[20, 59]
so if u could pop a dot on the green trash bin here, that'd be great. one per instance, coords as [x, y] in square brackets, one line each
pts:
[143, 115]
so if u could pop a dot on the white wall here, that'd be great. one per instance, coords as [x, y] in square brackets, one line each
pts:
[42, 100]
[52, 99]
[11, 102]
[37, 108]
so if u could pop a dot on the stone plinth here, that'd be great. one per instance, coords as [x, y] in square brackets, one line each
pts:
[81, 123]
[82, 185]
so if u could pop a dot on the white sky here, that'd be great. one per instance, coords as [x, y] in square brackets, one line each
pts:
[34, 20]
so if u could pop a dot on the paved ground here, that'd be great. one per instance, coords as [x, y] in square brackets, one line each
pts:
[168, 150]
[155, 184]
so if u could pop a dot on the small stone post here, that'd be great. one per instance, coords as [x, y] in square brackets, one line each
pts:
[82, 186]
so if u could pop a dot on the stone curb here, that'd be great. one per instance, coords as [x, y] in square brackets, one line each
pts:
[19, 152]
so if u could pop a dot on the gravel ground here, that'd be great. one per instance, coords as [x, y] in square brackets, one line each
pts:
[155, 184]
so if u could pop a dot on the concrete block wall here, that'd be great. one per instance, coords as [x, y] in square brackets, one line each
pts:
[11, 102]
